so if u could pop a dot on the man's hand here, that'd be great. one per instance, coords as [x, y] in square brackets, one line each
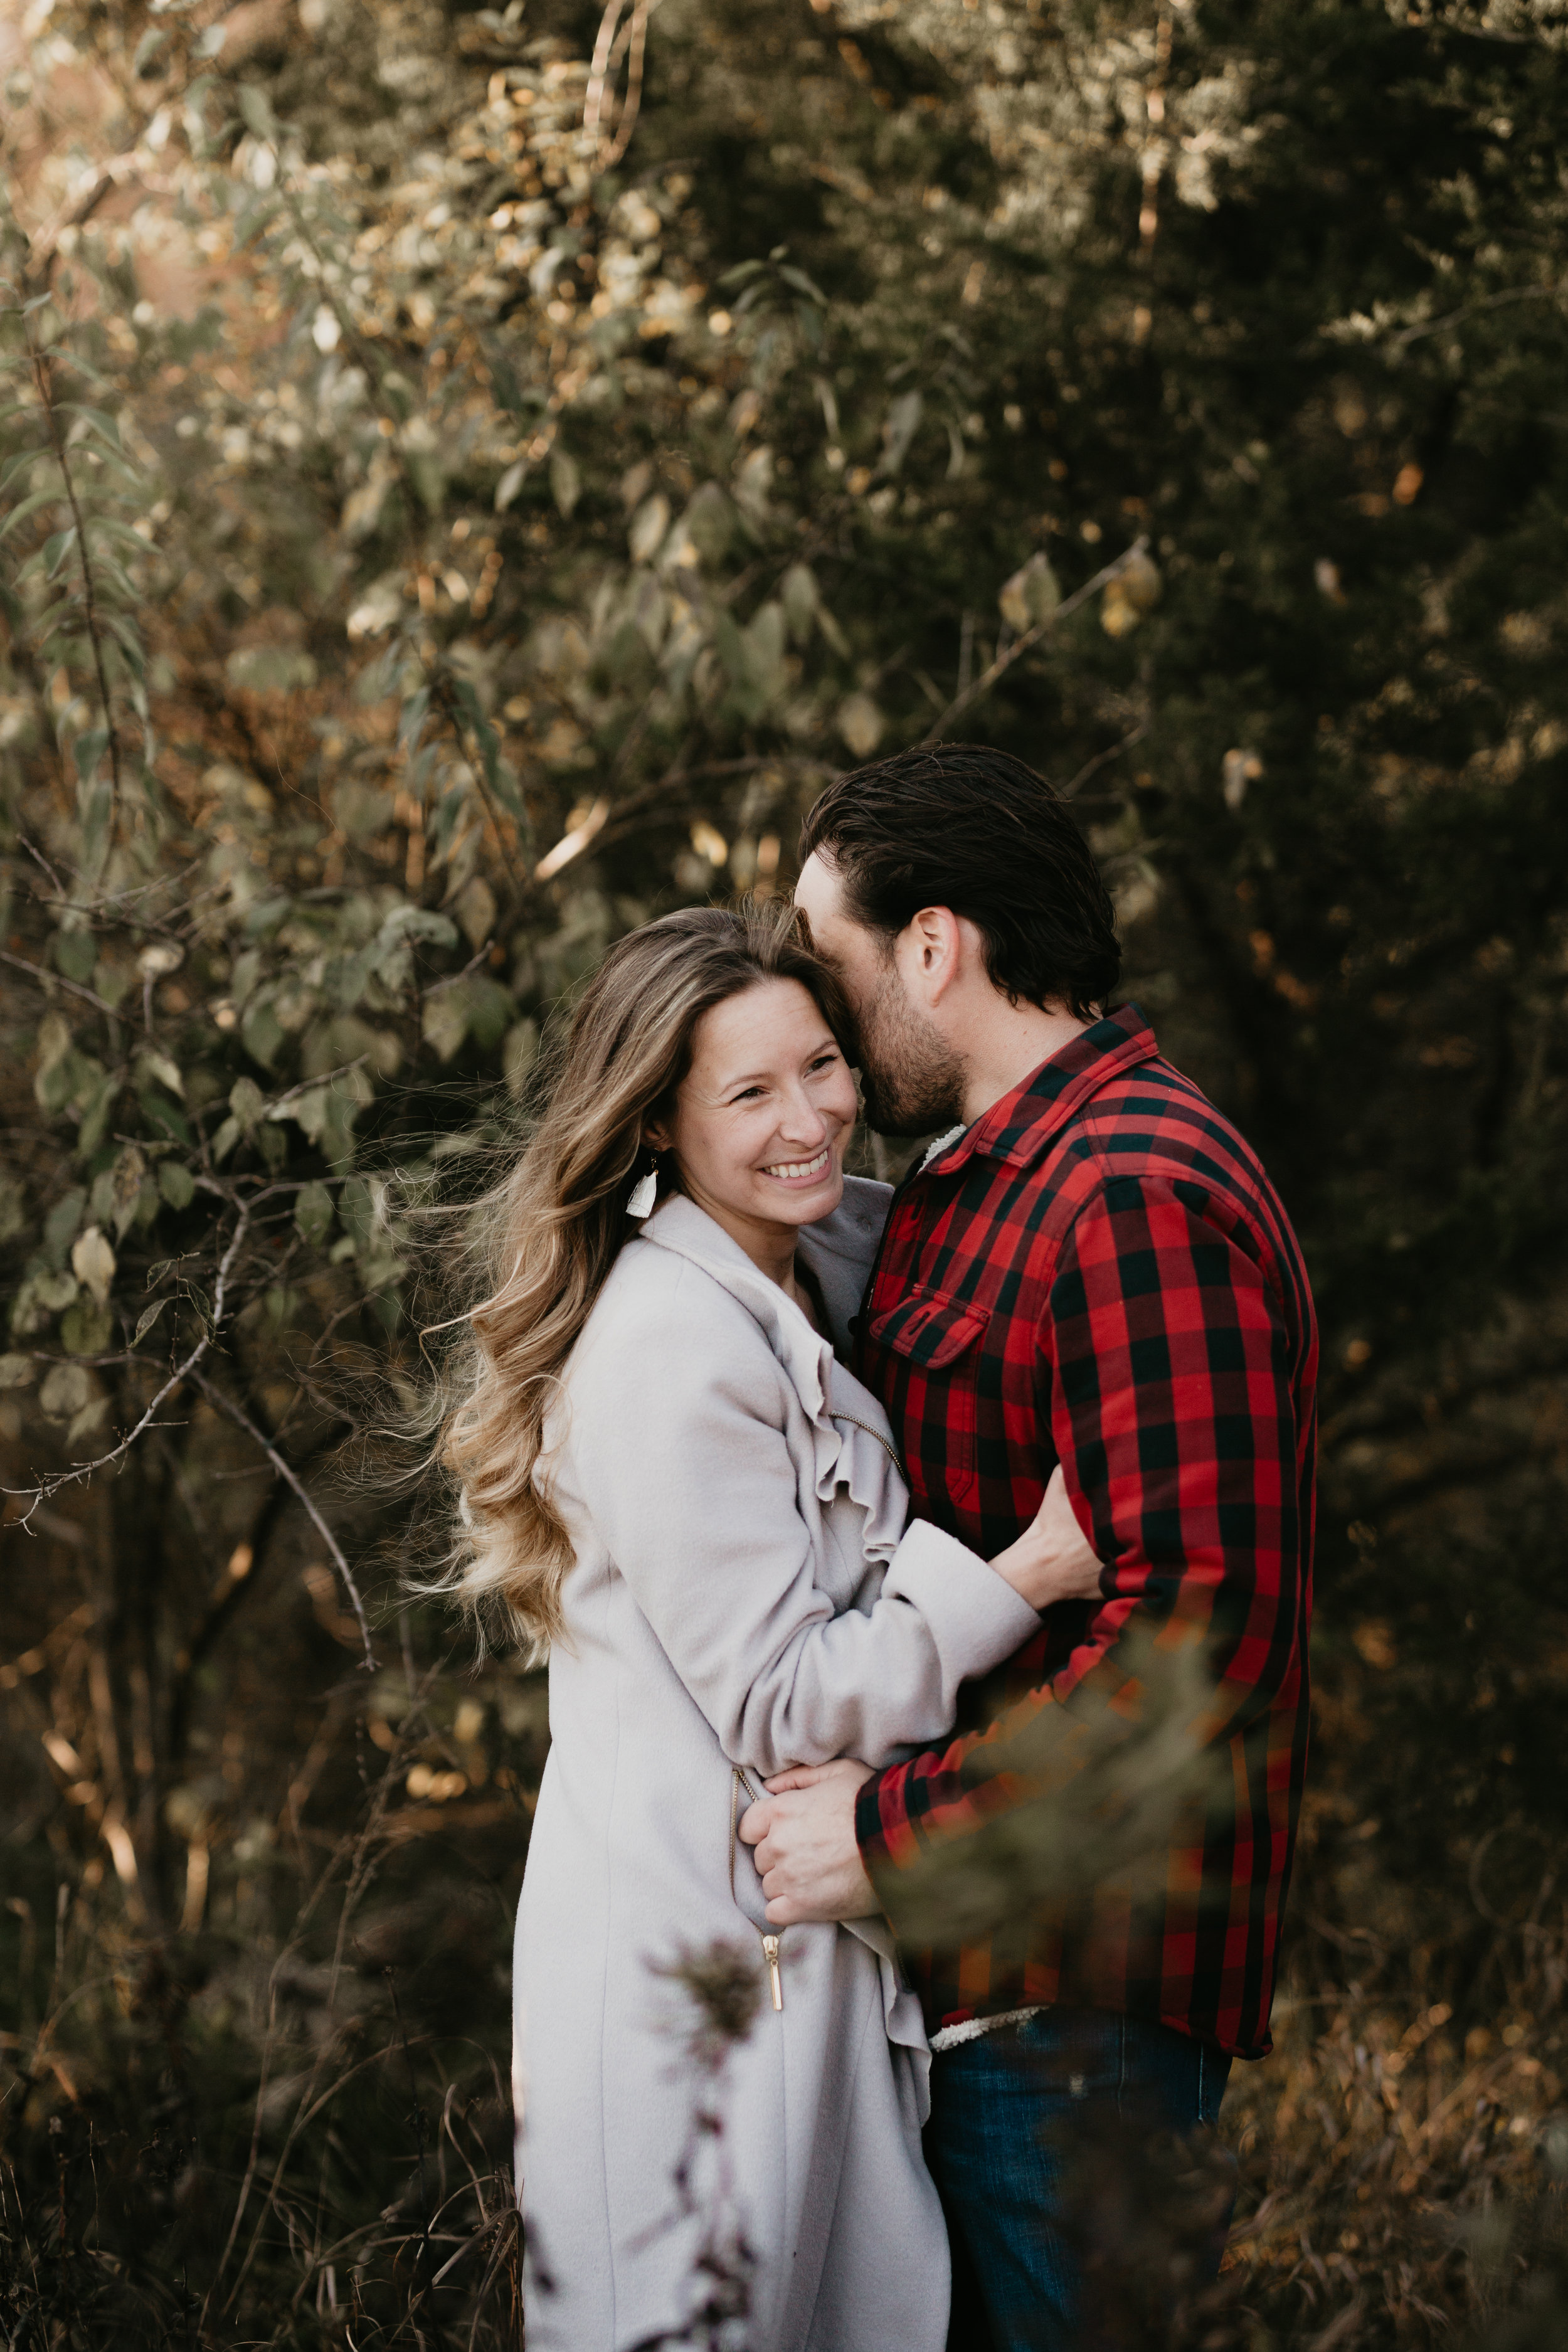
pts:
[804, 1831]
[1053, 1559]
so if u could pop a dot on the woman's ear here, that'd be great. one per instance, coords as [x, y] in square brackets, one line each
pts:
[655, 1135]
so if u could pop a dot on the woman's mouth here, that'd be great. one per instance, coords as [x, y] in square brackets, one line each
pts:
[802, 1172]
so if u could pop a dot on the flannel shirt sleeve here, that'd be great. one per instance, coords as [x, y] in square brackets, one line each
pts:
[1165, 1359]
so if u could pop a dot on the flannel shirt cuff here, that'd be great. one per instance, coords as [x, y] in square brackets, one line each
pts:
[869, 1818]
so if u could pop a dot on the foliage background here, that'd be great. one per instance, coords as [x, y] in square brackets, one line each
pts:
[467, 477]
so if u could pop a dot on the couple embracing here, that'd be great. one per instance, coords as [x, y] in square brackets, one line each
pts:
[819, 1495]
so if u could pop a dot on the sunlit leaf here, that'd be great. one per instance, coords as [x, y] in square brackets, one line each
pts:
[93, 1262]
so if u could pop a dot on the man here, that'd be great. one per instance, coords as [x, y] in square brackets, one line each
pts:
[1090, 1266]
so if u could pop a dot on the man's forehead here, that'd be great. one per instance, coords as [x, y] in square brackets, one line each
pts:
[816, 893]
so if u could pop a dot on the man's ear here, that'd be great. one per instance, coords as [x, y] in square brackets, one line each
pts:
[935, 950]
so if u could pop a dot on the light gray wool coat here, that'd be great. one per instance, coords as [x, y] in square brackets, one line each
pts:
[744, 1593]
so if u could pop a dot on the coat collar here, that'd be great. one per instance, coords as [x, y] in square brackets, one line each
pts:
[807, 1358]
[679, 1225]
[1020, 1129]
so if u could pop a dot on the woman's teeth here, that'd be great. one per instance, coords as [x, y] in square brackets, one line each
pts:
[789, 1169]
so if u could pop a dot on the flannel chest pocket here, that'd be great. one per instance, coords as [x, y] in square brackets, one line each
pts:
[937, 1342]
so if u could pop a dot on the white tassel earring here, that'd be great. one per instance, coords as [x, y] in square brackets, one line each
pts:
[644, 1194]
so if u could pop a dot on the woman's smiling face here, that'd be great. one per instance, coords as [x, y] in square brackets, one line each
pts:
[763, 1117]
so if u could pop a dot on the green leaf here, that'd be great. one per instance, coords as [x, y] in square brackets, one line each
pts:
[802, 285]
[99, 419]
[247, 1102]
[710, 522]
[261, 1034]
[97, 1107]
[412, 716]
[799, 596]
[165, 1119]
[900, 429]
[565, 481]
[492, 1009]
[60, 1226]
[29, 506]
[125, 637]
[176, 1183]
[444, 1019]
[256, 109]
[356, 1206]
[314, 1214]
[124, 1186]
[18, 464]
[97, 810]
[165, 1071]
[76, 953]
[87, 1329]
[87, 751]
[145, 1321]
[270, 669]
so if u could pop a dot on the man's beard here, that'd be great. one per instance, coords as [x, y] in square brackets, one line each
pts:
[911, 1079]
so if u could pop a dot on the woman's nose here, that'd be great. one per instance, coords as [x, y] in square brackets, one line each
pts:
[802, 1122]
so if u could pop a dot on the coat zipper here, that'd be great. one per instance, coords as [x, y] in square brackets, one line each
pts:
[769, 1941]
[743, 1779]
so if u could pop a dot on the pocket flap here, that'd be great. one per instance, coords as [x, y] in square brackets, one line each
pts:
[932, 1331]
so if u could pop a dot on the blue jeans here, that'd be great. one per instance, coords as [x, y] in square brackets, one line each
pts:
[1050, 2144]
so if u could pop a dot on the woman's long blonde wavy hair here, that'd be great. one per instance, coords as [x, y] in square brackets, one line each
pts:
[554, 1227]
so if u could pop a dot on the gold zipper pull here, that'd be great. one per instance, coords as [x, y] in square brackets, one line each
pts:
[771, 1954]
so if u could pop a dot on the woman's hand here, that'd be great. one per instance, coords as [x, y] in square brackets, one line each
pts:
[1051, 1559]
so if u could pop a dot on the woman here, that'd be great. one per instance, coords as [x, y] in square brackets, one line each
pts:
[670, 1480]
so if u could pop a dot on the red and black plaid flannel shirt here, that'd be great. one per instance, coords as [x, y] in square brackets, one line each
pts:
[1100, 1272]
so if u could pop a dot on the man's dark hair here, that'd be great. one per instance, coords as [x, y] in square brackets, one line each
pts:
[962, 825]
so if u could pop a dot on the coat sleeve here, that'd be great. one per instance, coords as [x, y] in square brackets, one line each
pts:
[1165, 1364]
[679, 1456]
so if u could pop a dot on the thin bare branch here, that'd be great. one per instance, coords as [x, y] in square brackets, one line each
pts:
[1032, 637]
[49, 980]
[83, 1470]
[1102, 760]
[285, 1469]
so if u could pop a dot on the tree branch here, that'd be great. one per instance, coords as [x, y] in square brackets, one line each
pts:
[50, 1486]
[42, 377]
[286, 1470]
[1030, 638]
